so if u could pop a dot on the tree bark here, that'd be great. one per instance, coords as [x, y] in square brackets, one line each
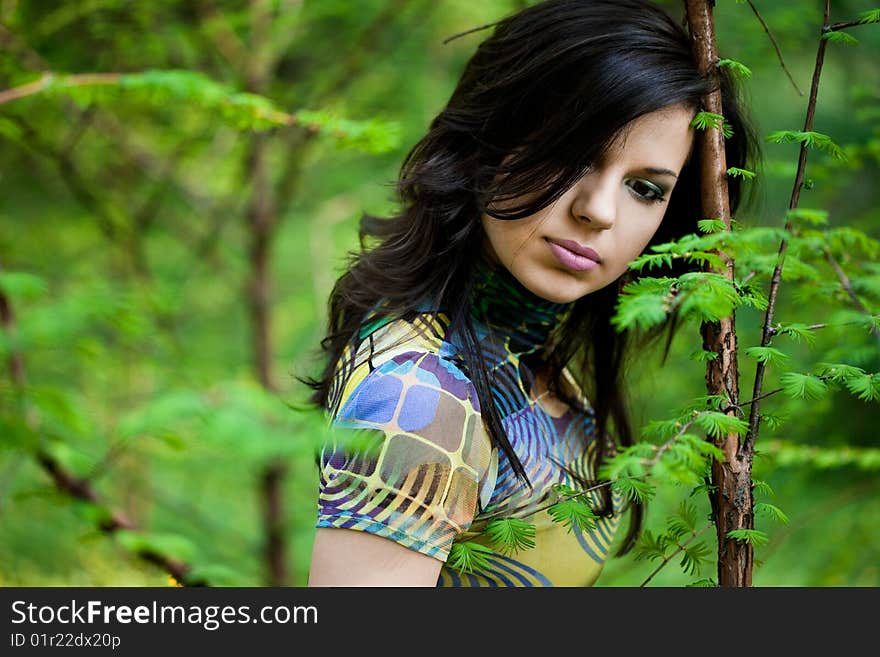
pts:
[731, 494]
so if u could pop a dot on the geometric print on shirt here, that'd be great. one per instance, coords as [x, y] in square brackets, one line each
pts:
[433, 477]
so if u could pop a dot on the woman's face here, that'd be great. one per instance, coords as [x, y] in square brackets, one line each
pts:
[610, 214]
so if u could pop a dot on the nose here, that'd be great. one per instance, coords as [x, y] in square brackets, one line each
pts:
[595, 201]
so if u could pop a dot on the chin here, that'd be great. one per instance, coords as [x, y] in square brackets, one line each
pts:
[558, 287]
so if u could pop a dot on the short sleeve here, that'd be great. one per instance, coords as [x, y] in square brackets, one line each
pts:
[418, 483]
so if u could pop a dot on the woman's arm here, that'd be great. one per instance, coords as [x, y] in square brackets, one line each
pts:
[345, 557]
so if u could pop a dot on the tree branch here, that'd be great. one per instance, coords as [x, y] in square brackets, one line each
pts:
[847, 286]
[81, 489]
[681, 548]
[776, 278]
[775, 47]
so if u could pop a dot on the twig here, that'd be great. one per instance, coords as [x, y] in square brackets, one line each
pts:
[80, 488]
[470, 31]
[825, 377]
[681, 548]
[775, 47]
[847, 286]
[755, 415]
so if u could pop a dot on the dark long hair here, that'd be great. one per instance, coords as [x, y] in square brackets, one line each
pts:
[551, 87]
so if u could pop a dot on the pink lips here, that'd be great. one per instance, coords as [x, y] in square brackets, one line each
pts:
[573, 255]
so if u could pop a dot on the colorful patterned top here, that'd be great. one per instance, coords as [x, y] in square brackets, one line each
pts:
[426, 474]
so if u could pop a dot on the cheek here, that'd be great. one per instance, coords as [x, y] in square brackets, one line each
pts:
[641, 233]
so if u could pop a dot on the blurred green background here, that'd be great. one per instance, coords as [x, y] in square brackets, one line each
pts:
[168, 242]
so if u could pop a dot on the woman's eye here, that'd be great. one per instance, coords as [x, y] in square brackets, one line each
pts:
[646, 190]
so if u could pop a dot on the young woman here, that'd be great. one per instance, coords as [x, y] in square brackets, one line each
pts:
[471, 344]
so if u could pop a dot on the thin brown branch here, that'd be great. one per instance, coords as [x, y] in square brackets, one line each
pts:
[845, 25]
[681, 548]
[776, 278]
[847, 286]
[79, 488]
[768, 394]
[775, 47]
[28, 89]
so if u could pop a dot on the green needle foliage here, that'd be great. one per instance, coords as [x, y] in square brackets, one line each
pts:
[741, 71]
[469, 557]
[707, 120]
[511, 535]
[811, 139]
[574, 514]
[753, 536]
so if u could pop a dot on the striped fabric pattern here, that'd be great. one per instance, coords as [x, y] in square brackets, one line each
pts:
[424, 473]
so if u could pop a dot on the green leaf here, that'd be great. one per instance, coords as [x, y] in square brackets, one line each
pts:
[718, 424]
[839, 36]
[773, 422]
[706, 296]
[685, 521]
[740, 71]
[839, 372]
[712, 225]
[651, 260]
[866, 386]
[693, 557]
[807, 216]
[703, 356]
[802, 386]
[22, 286]
[651, 547]
[766, 355]
[870, 16]
[643, 303]
[753, 536]
[761, 487]
[469, 557]
[800, 332]
[772, 511]
[636, 490]
[745, 174]
[706, 582]
[573, 513]
[810, 140]
[706, 120]
[511, 534]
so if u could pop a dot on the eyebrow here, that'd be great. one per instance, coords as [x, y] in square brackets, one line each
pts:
[661, 172]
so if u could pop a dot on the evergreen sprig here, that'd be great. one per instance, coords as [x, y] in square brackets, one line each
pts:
[745, 174]
[774, 512]
[469, 557]
[870, 16]
[802, 386]
[711, 225]
[753, 536]
[718, 424]
[839, 36]
[810, 140]
[739, 70]
[572, 514]
[798, 331]
[707, 120]
[767, 355]
[808, 216]
[511, 534]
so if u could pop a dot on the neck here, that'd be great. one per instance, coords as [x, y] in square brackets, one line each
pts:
[520, 319]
